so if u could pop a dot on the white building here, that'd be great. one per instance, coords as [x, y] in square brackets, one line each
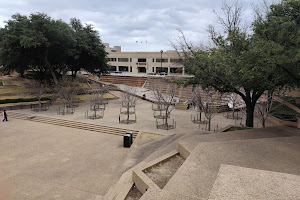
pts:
[144, 62]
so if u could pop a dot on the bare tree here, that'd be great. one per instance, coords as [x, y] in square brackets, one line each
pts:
[164, 92]
[209, 101]
[235, 102]
[128, 100]
[231, 21]
[37, 89]
[213, 105]
[98, 97]
[263, 108]
[67, 89]
[198, 101]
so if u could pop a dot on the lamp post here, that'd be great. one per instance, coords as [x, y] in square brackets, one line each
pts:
[161, 52]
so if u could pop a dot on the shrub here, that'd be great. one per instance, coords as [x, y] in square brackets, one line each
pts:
[4, 101]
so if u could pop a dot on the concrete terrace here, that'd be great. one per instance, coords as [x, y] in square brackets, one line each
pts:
[52, 156]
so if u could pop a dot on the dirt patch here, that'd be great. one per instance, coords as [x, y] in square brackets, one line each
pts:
[161, 173]
[125, 121]
[199, 122]
[148, 135]
[164, 127]
[133, 194]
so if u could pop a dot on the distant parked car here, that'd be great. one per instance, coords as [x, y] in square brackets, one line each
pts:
[118, 72]
[163, 73]
[151, 73]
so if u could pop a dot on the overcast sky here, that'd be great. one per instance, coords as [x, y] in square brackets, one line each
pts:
[152, 23]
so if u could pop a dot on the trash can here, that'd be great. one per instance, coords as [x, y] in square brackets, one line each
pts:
[131, 136]
[127, 140]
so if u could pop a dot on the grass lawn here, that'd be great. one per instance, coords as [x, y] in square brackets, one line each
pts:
[87, 97]
[291, 100]
[283, 112]
[238, 128]
[14, 90]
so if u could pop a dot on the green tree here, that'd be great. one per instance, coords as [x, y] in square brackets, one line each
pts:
[47, 46]
[240, 63]
[280, 26]
[88, 51]
[36, 42]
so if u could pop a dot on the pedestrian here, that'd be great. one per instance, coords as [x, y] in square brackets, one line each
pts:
[4, 116]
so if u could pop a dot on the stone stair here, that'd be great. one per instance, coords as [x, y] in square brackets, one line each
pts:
[73, 124]
[125, 80]
[185, 183]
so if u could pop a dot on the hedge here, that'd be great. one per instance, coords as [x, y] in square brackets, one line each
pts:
[4, 101]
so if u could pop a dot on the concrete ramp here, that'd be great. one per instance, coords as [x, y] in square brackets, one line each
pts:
[199, 172]
[239, 183]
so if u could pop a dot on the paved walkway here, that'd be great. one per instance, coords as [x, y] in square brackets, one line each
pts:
[43, 161]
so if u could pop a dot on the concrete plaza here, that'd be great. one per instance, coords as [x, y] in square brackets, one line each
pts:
[43, 161]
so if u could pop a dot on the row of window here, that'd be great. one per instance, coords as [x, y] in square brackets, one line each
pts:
[143, 69]
[164, 60]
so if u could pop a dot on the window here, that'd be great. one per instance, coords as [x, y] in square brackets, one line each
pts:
[123, 59]
[112, 59]
[130, 68]
[173, 60]
[142, 69]
[123, 68]
[176, 70]
[163, 69]
[142, 60]
[130, 59]
[163, 60]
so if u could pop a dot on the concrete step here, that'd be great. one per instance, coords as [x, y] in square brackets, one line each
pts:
[73, 124]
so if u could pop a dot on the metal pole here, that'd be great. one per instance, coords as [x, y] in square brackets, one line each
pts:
[161, 52]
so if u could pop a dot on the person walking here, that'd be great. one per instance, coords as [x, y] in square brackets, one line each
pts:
[4, 116]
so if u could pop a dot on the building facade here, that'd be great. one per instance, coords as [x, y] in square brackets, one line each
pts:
[144, 62]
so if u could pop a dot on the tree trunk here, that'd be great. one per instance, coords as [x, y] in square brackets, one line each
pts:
[128, 114]
[53, 75]
[40, 103]
[269, 100]
[166, 117]
[200, 116]
[250, 114]
[264, 122]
